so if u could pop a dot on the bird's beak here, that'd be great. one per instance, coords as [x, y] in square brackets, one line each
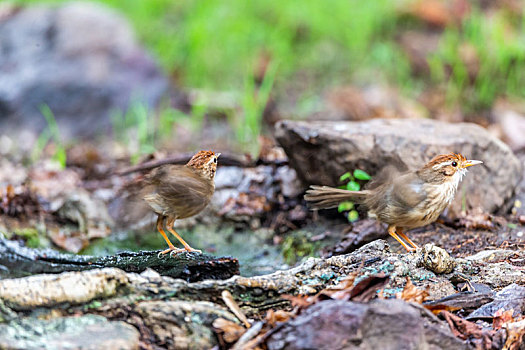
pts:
[471, 163]
[218, 154]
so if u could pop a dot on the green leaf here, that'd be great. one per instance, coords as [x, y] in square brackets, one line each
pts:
[345, 176]
[353, 186]
[353, 215]
[361, 175]
[345, 206]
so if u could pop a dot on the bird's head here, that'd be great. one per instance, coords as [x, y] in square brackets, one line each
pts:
[448, 168]
[205, 162]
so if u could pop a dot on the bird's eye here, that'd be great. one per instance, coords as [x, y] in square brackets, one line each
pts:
[215, 160]
[454, 164]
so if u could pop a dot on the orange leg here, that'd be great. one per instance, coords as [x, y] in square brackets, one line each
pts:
[405, 237]
[172, 248]
[392, 232]
[169, 227]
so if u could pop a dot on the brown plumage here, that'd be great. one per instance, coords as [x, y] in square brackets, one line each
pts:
[402, 200]
[180, 191]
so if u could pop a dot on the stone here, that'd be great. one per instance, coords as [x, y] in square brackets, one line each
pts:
[67, 287]
[380, 324]
[89, 332]
[437, 259]
[511, 297]
[183, 324]
[322, 151]
[80, 59]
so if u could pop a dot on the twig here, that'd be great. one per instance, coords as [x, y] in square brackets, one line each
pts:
[234, 307]
[252, 332]
[225, 159]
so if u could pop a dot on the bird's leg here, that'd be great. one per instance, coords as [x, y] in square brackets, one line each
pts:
[405, 237]
[169, 227]
[392, 232]
[172, 248]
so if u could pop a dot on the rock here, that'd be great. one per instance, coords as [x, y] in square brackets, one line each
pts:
[81, 59]
[381, 324]
[183, 324]
[512, 122]
[322, 151]
[437, 259]
[67, 287]
[361, 233]
[511, 297]
[88, 332]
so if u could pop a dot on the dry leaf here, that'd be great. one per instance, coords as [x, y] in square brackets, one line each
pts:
[272, 317]
[437, 308]
[515, 334]
[300, 301]
[340, 291]
[367, 288]
[412, 294]
[229, 330]
[501, 317]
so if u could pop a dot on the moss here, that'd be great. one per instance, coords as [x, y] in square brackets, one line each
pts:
[297, 246]
[30, 236]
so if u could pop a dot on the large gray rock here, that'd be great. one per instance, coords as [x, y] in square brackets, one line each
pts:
[88, 332]
[81, 59]
[322, 151]
[381, 324]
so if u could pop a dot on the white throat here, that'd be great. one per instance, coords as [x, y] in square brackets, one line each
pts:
[450, 187]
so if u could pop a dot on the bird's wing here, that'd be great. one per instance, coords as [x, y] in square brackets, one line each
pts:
[408, 191]
[179, 191]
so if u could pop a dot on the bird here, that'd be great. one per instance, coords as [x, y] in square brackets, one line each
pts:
[402, 200]
[179, 191]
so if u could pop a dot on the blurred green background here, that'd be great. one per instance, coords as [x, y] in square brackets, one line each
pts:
[459, 55]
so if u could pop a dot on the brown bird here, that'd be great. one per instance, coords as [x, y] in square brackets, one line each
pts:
[402, 200]
[180, 191]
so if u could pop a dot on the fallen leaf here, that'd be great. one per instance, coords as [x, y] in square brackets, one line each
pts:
[463, 329]
[367, 288]
[501, 317]
[411, 293]
[229, 330]
[272, 317]
[299, 301]
[437, 308]
[340, 291]
[515, 334]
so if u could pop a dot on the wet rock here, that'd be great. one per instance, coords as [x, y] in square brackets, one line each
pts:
[381, 324]
[62, 56]
[512, 122]
[182, 324]
[362, 232]
[322, 151]
[510, 297]
[291, 186]
[437, 259]
[21, 261]
[492, 255]
[88, 332]
[68, 287]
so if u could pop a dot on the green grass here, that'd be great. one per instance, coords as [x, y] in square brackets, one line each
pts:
[216, 46]
[50, 134]
[500, 50]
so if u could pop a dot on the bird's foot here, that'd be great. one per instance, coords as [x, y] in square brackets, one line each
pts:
[171, 250]
[191, 250]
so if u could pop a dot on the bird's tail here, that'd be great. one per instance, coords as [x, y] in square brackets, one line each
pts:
[324, 197]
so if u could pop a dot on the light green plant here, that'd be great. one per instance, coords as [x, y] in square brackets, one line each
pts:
[352, 185]
[50, 133]
[254, 103]
[136, 129]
